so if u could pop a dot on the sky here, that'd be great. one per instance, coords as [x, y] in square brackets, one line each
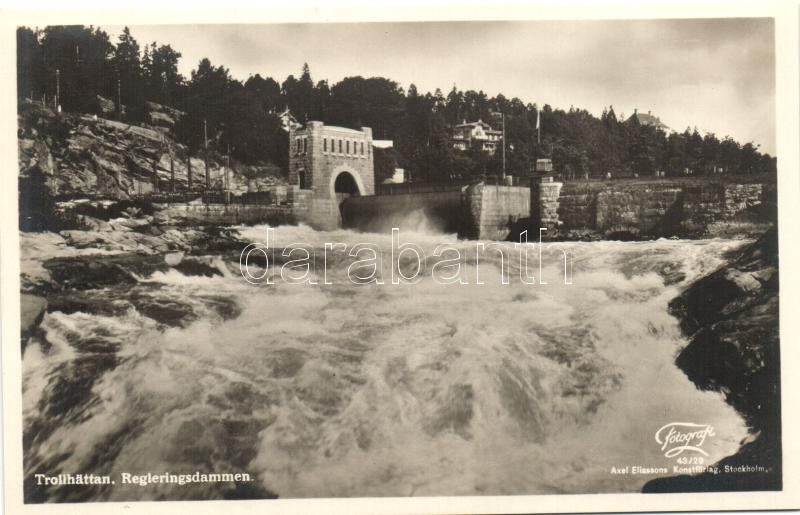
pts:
[714, 74]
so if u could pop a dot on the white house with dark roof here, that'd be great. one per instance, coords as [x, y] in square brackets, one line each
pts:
[288, 121]
[464, 135]
[650, 119]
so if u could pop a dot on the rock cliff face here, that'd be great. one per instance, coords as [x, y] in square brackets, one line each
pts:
[81, 155]
[731, 317]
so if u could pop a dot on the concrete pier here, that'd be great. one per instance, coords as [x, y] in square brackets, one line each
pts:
[544, 203]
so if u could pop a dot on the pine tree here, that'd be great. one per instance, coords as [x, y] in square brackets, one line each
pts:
[129, 74]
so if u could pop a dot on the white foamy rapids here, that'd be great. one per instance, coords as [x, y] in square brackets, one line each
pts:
[427, 389]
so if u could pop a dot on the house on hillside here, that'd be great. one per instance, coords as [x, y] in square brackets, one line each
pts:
[288, 121]
[650, 119]
[466, 135]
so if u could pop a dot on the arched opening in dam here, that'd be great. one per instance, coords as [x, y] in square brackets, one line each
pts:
[345, 186]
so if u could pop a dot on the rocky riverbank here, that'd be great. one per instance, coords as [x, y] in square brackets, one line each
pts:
[108, 275]
[72, 156]
[101, 268]
[731, 319]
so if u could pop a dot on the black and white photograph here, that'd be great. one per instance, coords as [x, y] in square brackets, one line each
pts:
[396, 259]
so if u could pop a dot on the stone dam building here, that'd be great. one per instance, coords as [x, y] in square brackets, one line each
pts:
[331, 161]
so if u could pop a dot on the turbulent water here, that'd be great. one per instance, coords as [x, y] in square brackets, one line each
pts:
[374, 390]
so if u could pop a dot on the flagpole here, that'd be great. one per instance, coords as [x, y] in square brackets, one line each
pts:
[504, 145]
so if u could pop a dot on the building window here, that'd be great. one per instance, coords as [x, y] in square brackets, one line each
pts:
[362, 148]
[340, 146]
[324, 144]
[347, 147]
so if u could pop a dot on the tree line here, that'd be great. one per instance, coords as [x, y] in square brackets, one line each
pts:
[82, 64]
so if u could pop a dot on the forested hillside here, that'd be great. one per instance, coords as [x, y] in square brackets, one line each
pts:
[87, 67]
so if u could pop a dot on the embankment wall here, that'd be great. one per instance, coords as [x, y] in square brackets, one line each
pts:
[572, 210]
[496, 212]
[230, 214]
[661, 207]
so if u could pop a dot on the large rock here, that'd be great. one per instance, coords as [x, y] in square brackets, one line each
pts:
[163, 116]
[731, 317]
[90, 272]
[197, 266]
[751, 276]
[94, 224]
[32, 310]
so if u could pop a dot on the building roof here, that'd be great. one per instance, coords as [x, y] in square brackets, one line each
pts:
[483, 124]
[343, 129]
[288, 120]
[382, 143]
[649, 119]
[333, 128]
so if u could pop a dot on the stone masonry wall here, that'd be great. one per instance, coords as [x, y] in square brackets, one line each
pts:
[314, 157]
[659, 208]
[545, 199]
[496, 212]
[231, 214]
[577, 210]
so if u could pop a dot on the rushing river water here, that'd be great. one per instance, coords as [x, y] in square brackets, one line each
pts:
[376, 390]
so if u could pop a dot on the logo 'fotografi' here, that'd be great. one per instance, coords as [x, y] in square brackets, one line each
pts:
[677, 437]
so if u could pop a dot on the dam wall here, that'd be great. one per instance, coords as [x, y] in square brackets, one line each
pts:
[317, 212]
[657, 208]
[479, 211]
[441, 211]
[298, 206]
[226, 214]
[496, 212]
[683, 207]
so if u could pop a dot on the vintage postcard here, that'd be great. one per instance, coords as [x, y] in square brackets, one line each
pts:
[445, 259]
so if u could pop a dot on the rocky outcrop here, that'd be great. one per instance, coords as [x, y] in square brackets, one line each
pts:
[76, 155]
[162, 116]
[32, 310]
[87, 155]
[731, 317]
[105, 272]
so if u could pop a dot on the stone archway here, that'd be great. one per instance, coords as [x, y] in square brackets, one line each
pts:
[345, 183]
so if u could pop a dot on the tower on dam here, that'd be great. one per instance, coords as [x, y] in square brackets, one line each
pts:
[331, 162]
